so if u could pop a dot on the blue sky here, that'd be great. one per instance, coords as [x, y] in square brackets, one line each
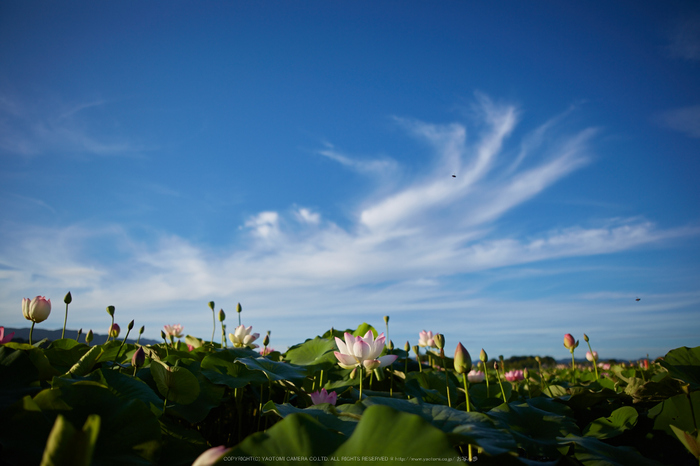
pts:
[297, 157]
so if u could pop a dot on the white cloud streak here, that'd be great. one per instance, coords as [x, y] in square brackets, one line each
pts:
[398, 254]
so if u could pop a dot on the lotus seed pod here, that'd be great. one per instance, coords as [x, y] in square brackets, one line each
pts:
[386, 320]
[211, 305]
[415, 349]
[239, 308]
[68, 298]
[110, 310]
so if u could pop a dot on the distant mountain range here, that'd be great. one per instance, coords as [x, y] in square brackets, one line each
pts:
[22, 334]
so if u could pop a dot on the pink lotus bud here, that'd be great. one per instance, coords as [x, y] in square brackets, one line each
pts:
[5, 339]
[570, 342]
[462, 360]
[514, 376]
[324, 397]
[37, 310]
[592, 357]
[211, 456]
[114, 330]
[139, 357]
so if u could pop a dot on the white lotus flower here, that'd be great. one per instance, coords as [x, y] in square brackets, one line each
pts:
[242, 338]
[365, 351]
[426, 339]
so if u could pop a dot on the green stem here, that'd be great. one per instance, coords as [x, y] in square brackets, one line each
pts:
[65, 320]
[320, 382]
[595, 360]
[447, 384]
[110, 329]
[466, 392]
[573, 366]
[120, 346]
[31, 331]
[360, 374]
[213, 330]
[503, 392]
[486, 377]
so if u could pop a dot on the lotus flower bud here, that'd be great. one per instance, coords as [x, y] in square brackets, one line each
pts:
[222, 315]
[266, 340]
[353, 374]
[495, 365]
[130, 326]
[37, 310]
[211, 456]
[526, 373]
[440, 341]
[585, 338]
[110, 311]
[89, 337]
[68, 298]
[211, 305]
[462, 361]
[570, 342]
[386, 320]
[390, 345]
[483, 356]
[143, 327]
[114, 330]
[239, 308]
[139, 357]
[407, 347]
[162, 335]
[415, 349]
[538, 359]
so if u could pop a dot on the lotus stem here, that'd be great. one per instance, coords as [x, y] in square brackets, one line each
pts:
[466, 392]
[31, 331]
[65, 321]
[595, 360]
[498, 376]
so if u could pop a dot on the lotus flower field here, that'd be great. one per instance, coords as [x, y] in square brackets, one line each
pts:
[344, 397]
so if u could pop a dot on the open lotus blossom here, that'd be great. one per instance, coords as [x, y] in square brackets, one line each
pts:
[174, 331]
[211, 456]
[514, 376]
[37, 310]
[592, 356]
[426, 339]
[365, 351]
[475, 376]
[323, 397]
[242, 338]
[266, 350]
[5, 339]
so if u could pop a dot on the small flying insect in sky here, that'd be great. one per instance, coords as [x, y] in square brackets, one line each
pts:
[638, 299]
[454, 176]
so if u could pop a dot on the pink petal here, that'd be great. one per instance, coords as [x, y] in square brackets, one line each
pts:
[386, 360]
[361, 349]
[345, 359]
[342, 347]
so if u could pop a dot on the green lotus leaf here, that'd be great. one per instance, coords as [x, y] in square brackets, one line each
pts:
[66, 445]
[274, 370]
[684, 364]
[220, 368]
[676, 411]
[325, 414]
[312, 353]
[619, 421]
[386, 432]
[177, 384]
[593, 452]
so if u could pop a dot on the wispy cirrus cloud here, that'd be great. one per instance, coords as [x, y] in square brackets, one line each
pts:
[40, 128]
[400, 252]
[685, 120]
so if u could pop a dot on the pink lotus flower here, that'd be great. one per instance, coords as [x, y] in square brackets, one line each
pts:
[242, 338]
[514, 376]
[211, 456]
[324, 397]
[5, 339]
[592, 356]
[174, 331]
[37, 310]
[604, 365]
[365, 351]
[266, 350]
[426, 339]
[114, 330]
[475, 376]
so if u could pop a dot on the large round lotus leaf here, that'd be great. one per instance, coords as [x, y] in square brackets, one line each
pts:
[593, 452]
[177, 384]
[292, 441]
[220, 368]
[619, 421]
[385, 432]
[312, 352]
[274, 370]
